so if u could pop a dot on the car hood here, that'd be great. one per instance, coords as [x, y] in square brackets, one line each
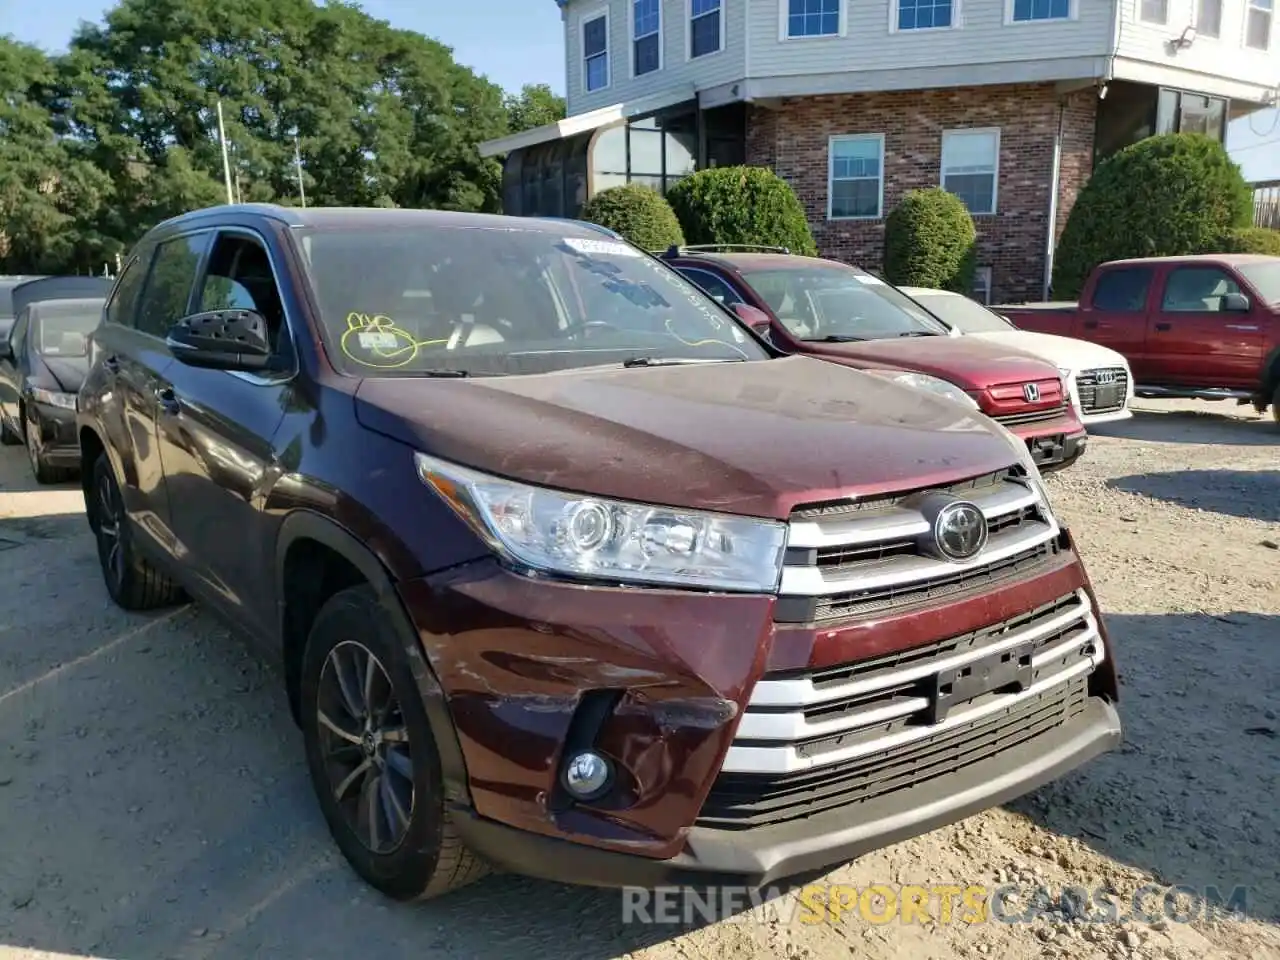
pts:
[747, 438]
[1066, 352]
[969, 363]
[68, 373]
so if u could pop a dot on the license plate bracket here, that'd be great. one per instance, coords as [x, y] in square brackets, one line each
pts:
[1009, 671]
[1107, 395]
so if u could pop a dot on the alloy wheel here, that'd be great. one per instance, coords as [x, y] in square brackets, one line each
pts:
[32, 436]
[109, 526]
[365, 746]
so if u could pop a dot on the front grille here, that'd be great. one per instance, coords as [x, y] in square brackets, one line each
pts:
[861, 557]
[1034, 416]
[1104, 390]
[744, 801]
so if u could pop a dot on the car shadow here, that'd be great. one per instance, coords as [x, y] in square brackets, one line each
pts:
[1192, 426]
[1190, 794]
[1252, 495]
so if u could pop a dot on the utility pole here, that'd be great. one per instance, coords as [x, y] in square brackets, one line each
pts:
[297, 166]
[226, 161]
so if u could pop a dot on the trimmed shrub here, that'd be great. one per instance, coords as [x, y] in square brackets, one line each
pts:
[741, 205]
[1251, 240]
[638, 213]
[1168, 195]
[930, 241]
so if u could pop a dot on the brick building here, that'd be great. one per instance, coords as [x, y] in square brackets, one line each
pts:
[1007, 103]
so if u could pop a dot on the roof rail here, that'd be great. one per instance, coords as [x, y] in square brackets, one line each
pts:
[713, 247]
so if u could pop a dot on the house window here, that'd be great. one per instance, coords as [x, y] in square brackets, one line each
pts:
[1209, 18]
[1029, 11]
[982, 285]
[1257, 24]
[595, 52]
[706, 27]
[1179, 112]
[970, 167]
[813, 18]
[1154, 11]
[646, 33]
[923, 14]
[855, 187]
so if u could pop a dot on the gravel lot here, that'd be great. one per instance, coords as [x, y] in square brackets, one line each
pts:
[154, 801]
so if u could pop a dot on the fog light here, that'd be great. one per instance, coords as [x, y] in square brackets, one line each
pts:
[587, 775]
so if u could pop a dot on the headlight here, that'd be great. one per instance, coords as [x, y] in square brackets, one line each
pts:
[52, 398]
[580, 535]
[934, 385]
[1068, 390]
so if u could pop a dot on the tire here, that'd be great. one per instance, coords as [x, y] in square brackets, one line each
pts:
[42, 471]
[1275, 406]
[421, 856]
[133, 582]
[7, 436]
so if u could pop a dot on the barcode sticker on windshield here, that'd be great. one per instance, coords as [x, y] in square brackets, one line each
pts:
[379, 341]
[869, 279]
[593, 248]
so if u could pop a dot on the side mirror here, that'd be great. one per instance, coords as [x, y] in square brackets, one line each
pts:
[1235, 303]
[221, 340]
[753, 317]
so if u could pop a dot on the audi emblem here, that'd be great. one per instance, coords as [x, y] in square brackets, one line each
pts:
[1107, 377]
[1031, 392]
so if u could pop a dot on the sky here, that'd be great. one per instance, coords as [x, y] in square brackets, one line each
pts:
[528, 47]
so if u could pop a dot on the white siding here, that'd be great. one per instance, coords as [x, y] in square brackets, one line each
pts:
[1224, 59]
[677, 69]
[980, 36]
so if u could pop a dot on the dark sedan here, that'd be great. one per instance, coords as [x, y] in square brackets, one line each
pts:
[43, 361]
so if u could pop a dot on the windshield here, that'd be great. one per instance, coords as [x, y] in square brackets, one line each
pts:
[840, 303]
[65, 333]
[489, 301]
[967, 316]
[1263, 277]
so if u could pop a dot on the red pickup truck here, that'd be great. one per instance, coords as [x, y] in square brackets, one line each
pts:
[1205, 327]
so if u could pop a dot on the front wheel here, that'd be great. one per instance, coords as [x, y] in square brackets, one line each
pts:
[372, 756]
[40, 469]
[1275, 405]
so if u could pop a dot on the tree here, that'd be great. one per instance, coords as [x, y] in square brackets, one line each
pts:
[45, 190]
[741, 205]
[382, 117]
[1168, 195]
[534, 106]
[638, 213]
[1262, 240]
[930, 241]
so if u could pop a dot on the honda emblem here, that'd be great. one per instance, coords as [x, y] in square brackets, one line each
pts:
[1031, 392]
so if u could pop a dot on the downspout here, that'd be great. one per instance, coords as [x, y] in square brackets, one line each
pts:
[1117, 29]
[1051, 239]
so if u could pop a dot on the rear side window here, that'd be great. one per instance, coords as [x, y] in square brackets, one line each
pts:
[1123, 290]
[168, 290]
[121, 308]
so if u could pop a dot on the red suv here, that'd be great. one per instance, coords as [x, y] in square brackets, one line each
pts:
[848, 316]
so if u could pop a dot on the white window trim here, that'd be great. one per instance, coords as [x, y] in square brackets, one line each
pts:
[831, 169]
[1158, 23]
[631, 46]
[1073, 13]
[688, 30]
[1244, 29]
[784, 23]
[1222, 17]
[982, 277]
[995, 181]
[893, 20]
[590, 17]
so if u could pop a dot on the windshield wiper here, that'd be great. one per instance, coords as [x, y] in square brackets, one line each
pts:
[676, 361]
[834, 338]
[918, 333]
[444, 374]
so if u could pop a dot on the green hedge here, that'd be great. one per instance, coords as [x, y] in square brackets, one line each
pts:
[1251, 240]
[1169, 195]
[930, 241]
[638, 213]
[741, 205]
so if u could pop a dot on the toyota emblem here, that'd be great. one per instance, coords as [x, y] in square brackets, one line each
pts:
[960, 531]
[1031, 392]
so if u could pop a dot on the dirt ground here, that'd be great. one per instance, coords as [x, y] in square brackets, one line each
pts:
[154, 801]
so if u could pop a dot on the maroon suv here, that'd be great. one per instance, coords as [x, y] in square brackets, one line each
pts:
[567, 570]
[845, 315]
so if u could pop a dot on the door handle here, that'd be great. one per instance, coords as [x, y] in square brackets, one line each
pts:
[1091, 324]
[167, 399]
[1164, 326]
[112, 363]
